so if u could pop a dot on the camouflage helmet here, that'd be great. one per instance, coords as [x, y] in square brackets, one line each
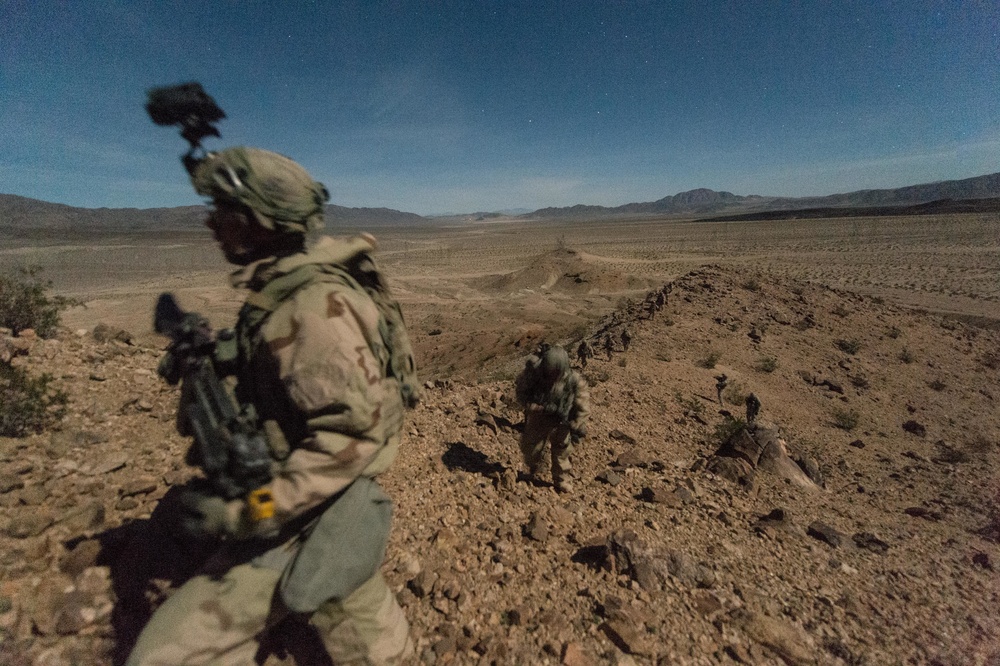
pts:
[279, 192]
[554, 359]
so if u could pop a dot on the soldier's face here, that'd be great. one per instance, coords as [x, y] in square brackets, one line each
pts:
[233, 229]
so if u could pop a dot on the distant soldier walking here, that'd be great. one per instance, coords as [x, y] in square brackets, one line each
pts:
[661, 299]
[626, 337]
[584, 352]
[609, 345]
[651, 307]
[721, 381]
[556, 403]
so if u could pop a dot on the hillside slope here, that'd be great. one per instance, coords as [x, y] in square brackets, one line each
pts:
[652, 559]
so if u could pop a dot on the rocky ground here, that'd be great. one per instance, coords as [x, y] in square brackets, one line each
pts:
[887, 556]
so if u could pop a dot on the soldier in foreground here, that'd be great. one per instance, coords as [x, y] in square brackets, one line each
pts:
[319, 377]
[556, 403]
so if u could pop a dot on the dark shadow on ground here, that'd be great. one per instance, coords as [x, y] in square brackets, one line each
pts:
[147, 561]
[460, 456]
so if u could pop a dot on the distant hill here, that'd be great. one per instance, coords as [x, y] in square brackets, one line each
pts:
[938, 207]
[709, 202]
[22, 217]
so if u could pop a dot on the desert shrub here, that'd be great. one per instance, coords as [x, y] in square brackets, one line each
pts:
[25, 303]
[937, 385]
[622, 362]
[840, 310]
[991, 360]
[691, 405]
[729, 427]
[846, 419]
[767, 364]
[27, 404]
[709, 360]
[894, 332]
[663, 356]
[751, 285]
[847, 346]
[735, 393]
[860, 381]
[906, 356]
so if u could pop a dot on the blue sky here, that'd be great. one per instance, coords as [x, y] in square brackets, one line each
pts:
[475, 105]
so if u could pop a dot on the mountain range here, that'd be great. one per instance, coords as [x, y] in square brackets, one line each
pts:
[24, 217]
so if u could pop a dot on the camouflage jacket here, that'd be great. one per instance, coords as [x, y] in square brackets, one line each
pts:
[314, 366]
[568, 398]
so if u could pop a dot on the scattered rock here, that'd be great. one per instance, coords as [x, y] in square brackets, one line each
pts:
[825, 533]
[536, 529]
[869, 541]
[610, 477]
[786, 640]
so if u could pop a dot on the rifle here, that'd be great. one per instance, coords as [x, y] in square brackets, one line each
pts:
[228, 446]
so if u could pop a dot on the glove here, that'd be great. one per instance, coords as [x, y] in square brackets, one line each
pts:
[205, 516]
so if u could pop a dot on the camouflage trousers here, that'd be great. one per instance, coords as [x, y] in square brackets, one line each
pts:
[228, 619]
[542, 429]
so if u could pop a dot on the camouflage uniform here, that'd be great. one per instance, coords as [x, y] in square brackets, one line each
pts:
[626, 336]
[583, 353]
[313, 363]
[556, 404]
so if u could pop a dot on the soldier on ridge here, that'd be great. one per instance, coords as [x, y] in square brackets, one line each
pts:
[556, 404]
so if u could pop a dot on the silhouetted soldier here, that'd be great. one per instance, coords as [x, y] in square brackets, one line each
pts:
[609, 345]
[720, 386]
[626, 337]
[753, 408]
[584, 352]
[661, 300]
[651, 308]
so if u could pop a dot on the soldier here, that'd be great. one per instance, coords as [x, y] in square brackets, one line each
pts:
[609, 345]
[626, 337]
[661, 299]
[721, 381]
[584, 352]
[651, 307]
[315, 366]
[753, 408]
[556, 403]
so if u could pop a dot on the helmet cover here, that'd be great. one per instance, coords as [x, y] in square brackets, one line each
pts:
[280, 193]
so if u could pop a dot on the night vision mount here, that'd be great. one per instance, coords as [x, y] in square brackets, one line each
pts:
[187, 105]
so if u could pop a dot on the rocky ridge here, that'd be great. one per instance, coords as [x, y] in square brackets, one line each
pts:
[889, 557]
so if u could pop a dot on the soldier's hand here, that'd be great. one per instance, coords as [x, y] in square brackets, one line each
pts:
[206, 516]
[579, 432]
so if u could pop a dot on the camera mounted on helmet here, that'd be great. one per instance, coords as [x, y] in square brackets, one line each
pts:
[190, 107]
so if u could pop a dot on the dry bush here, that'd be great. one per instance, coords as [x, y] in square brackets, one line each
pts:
[25, 303]
[846, 419]
[767, 364]
[27, 404]
[735, 393]
[709, 360]
[851, 346]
